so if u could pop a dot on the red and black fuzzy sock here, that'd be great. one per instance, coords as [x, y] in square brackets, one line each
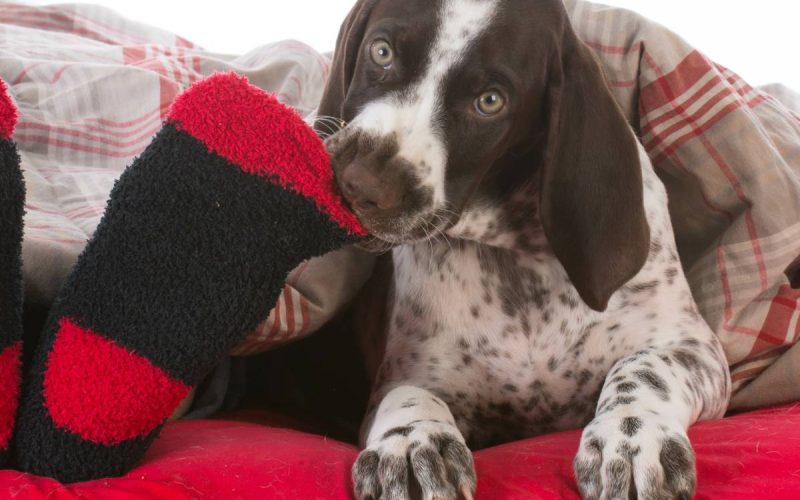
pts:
[192, 252]
[12, 207]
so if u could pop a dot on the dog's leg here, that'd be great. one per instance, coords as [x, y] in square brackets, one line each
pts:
[638, 437]
[413, 435]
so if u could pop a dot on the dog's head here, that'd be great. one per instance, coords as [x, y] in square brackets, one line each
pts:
[446, 106]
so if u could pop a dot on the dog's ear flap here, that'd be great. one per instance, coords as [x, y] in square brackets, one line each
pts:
[592, 206]
[345, 56]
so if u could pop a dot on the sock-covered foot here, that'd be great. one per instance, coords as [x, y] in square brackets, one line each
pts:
[12, 203]
[192, 252]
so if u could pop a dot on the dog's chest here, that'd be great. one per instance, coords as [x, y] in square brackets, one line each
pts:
[502, 336]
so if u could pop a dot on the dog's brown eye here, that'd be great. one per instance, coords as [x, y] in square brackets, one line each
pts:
[382, 53]
[490, 103]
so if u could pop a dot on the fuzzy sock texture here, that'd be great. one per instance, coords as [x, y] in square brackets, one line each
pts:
[12, 206]
[192, 252]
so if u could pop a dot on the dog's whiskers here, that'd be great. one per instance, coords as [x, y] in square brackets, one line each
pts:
[331, 124]
[337, 123]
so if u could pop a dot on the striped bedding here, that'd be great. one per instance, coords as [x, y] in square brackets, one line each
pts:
[93, 87]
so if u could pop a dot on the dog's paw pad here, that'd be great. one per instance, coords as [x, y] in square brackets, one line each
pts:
[428, 457]
[623, 454]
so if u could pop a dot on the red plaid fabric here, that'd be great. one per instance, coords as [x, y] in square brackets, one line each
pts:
[729, 155]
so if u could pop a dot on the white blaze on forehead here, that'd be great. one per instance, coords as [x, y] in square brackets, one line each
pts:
[411, 116]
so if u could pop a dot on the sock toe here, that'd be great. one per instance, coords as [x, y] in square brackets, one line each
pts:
[263, 137]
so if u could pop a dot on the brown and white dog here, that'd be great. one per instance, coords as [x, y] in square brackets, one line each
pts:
[536, 284]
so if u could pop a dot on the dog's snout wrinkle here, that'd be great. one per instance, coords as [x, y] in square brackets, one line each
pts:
[381, 148]
[342, 149]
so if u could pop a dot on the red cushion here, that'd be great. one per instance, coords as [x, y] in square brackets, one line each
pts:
[755, 455]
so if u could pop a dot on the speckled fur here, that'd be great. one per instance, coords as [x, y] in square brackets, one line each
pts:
[488, 322]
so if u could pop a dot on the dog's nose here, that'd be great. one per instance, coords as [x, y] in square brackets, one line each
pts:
[366, 191]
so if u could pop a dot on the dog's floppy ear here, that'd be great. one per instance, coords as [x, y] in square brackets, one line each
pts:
[591, 187]
[344, 60]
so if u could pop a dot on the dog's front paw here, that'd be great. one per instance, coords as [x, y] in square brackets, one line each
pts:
[426, 457]
[635, 456]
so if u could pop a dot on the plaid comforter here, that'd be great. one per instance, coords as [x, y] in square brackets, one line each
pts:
[92, 89]
[729, 156]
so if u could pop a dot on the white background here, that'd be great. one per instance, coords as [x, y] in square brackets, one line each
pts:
[759, 39]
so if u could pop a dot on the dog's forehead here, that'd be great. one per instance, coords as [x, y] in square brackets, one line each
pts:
[516, 32]
[449, 22]
[461, 21]
[522, 35]
[404, 9]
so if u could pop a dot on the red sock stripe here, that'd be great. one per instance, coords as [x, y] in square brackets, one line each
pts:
[251, 129]
[9, 390]
[8, 113]
[103, 392]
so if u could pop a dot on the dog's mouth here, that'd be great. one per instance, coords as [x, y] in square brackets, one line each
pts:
[391, 232]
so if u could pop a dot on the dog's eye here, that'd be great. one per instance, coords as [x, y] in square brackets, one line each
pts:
[382, 53]
[490, 103]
